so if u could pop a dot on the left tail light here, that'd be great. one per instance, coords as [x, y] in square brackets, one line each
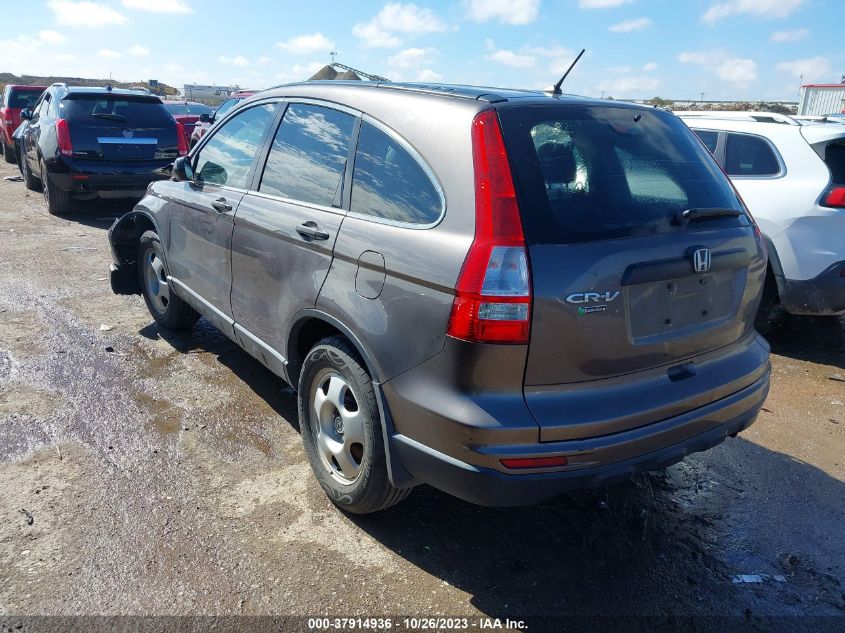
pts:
[834, 197]
[63, 138]
[182, 142]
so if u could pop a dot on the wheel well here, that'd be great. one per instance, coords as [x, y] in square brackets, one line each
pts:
[127, 235]
[307, 334]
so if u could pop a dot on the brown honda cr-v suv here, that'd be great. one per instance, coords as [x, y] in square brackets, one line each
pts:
[503, 294]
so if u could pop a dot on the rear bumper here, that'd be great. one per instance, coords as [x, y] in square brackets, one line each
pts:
[113, 180]
[664, 443]
[822, 295]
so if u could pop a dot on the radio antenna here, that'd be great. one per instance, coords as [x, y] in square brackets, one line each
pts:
[556, 88]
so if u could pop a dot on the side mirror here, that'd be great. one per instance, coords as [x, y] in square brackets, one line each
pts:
[26, 114]
[205, 117]
[182, 170]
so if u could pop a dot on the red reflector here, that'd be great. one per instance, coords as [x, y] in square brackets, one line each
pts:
[835, 197]
[534, 462]
[63, 138]
[80, 177]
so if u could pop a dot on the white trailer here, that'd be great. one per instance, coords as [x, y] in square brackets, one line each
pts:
[821, 99]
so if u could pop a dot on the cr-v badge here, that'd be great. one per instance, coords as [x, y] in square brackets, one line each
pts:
[592, 297]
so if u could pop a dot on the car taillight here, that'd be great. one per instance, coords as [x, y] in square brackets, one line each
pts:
[493, 293]
[182, 142]
[835, 197]
[6, 115]
[63, 138]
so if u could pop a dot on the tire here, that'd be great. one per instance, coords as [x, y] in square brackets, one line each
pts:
[168, 310]
[769, 301]
[29, 180]
[58, 202]
[344, 442]
[9, 153]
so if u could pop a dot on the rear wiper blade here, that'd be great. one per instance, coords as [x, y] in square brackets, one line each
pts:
[705, 213]
[110, 116]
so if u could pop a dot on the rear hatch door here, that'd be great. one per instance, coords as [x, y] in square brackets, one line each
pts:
[623, 281]
[120, 127]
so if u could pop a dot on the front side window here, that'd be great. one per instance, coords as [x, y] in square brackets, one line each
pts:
[227, 157]
[309, 154]
[389, 183]
[709, 138]
[747, 155]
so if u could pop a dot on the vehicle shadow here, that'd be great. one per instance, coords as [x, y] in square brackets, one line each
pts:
[814, 339]
[206, 338]
[99, 214]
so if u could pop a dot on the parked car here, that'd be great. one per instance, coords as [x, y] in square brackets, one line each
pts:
[84, 143]
[205, 121]
[188, 113]
[14, 100]
[503, 294]
[792, 176]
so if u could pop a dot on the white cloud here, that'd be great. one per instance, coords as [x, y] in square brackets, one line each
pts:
[263, 61]
[238, 60]
[396, 20]
[138, 51]
[107, 53]
[159, 6]
[630, 86]
[307, 44]
[51, 37]
[91, 14]
[789, 36]
[505, 11]
[428, 75]
[602, 4]
[412, 57]
[737, 71]
[514, 60]
[631, 25]
[697, 57]
[649, 67]
[763, 8]
[812, 69]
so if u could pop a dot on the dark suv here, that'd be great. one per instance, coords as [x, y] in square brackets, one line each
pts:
[503, 294]
[83, 143]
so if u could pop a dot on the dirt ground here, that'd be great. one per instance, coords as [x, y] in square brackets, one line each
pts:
[147, 473]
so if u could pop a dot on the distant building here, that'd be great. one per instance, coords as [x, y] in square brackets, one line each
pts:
[821, 99]
[208, 94]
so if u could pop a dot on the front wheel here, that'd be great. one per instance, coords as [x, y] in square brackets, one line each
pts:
[29, 180]
[9, 153]
[168, 310]
[341, 429]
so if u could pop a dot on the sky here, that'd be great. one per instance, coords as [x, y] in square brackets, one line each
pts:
[675, 49]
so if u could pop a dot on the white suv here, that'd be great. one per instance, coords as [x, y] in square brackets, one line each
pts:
[791, 175]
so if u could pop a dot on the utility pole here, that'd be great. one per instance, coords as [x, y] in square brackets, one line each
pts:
[702, 98]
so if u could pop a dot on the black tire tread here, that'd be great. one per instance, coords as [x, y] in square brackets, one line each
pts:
[179, 315]
[9, 154]
[381, 494]
[58, 202]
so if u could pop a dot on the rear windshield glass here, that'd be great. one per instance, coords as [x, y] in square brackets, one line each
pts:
[23, 98]
[181, 109]
[834, 156]
[100, 109]
[586, 173]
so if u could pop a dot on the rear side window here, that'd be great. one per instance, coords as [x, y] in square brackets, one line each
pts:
[710, 139]
[834, 156]
[23, 98]
[227, 157]
[587, 173]
[388, 182]
[747, 155]
[100, 109]
[309, 154]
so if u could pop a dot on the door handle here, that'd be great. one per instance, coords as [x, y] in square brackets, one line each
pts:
[311, 230]
[220, 205]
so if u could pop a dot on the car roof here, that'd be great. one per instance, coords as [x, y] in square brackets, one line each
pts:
[105, 90]
[346, 90]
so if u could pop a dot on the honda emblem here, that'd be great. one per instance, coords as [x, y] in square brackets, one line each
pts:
[701, 260]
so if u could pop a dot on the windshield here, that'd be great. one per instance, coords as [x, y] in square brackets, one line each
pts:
[183, 109]
[99, 109]
[586, 173]
[225, 107]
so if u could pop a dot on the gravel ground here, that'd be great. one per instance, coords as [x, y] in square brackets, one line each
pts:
[148, 473]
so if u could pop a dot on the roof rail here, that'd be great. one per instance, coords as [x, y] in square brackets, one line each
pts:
[750, 115]
[59, 84]
[462, 92]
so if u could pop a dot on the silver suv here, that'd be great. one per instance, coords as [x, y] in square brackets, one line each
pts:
[503, 294]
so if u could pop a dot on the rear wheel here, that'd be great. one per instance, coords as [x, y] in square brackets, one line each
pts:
[9, 153]
[58, 202]
[32, 183]
[168, 310]
[341, 429]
